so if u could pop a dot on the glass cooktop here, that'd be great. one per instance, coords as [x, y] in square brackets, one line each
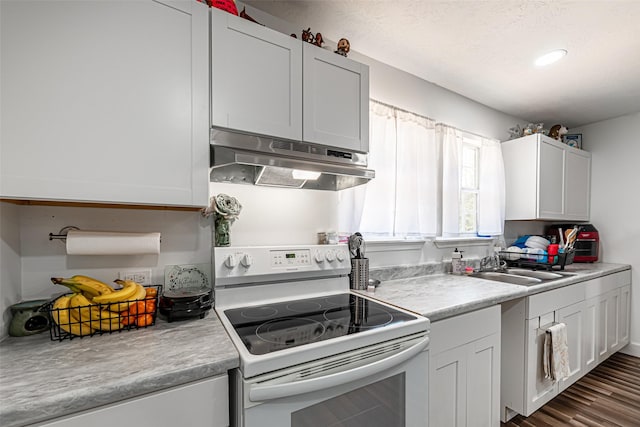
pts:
[268, 328]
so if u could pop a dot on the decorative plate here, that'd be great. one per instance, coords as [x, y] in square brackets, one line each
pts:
[192, 276]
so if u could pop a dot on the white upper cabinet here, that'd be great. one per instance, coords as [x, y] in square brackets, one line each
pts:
[336, 100]
[269, 83]
[105, 102]
[546, 179]
[256, 78]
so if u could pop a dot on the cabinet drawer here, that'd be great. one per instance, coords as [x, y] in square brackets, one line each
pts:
[605, 284]
[545, 302]
[459, 330]
[203, 403]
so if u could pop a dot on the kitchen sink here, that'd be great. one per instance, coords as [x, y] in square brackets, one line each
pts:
[513, 279]
[543, 275]
[520, 276]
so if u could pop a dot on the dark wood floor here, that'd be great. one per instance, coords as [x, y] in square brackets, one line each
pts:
[607, 396]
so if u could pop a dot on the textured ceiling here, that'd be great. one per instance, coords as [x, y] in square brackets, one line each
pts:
[485, 50]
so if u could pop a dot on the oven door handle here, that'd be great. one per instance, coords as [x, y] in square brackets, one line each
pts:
[260, 393]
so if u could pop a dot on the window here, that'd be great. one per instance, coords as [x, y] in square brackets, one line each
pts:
[468, 215]
[472, 184]
[431, 180]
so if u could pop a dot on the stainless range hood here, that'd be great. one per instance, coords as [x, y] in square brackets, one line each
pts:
[251, 159]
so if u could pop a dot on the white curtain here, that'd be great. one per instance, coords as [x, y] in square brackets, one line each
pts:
[491, 195]
[402, 199]
[451, 142]
[417, 177]
[491, 183]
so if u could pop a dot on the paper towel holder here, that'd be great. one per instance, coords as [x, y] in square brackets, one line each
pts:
[62, 234]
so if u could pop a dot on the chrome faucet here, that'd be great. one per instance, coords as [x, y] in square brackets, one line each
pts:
[492, 263]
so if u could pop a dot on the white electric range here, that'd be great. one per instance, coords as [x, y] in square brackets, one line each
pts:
[313, 353]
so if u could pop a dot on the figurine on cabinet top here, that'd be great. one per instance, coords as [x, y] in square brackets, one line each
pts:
[557, 132]
[307, 35]
[318, 41]
[343, 47]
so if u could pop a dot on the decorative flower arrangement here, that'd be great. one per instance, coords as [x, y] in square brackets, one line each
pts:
[225, 209]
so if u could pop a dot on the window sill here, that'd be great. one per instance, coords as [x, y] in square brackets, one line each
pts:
[394, 245]
[451, 242]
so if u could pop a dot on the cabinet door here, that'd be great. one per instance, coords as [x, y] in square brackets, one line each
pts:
[205, 403]
[447, 388]
[624, 317]
[336, 100]
[483, 382]
[551, 174]
[603, 319]
[573, 318]
[590, 329]
[577, 185]
[256, 78]
[613, 321]
[539, 390]
[105, 102]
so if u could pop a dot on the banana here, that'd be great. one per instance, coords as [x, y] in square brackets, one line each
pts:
[90, 287]
[90, 311]
[140, 294]
[62, 316]
[101, 287]
[92, 317]
[129, 288]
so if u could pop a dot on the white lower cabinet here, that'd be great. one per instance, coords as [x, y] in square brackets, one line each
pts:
[464, 370]
[202, 403]
[596, 314]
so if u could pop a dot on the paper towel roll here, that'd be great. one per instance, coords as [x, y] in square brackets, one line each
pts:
[111, 243]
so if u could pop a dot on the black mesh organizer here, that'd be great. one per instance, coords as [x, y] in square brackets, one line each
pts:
[73, 322]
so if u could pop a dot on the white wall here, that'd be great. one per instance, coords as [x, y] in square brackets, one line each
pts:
[10, 263]
[615, 148]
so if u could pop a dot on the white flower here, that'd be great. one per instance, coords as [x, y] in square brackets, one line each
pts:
[223, 206]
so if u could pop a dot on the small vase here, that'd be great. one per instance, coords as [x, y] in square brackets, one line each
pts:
[223, 229]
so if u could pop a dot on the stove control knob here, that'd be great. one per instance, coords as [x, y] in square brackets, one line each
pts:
[318, 257]
[246, 260]
[231, 261]
[331, 256]
[340, 256]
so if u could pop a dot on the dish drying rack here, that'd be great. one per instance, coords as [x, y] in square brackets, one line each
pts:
[538, 261]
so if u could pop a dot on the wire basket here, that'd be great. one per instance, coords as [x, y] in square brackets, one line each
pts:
[100, 319]
[539, 261]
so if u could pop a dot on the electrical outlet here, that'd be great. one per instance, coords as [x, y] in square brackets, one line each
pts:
[141, 276]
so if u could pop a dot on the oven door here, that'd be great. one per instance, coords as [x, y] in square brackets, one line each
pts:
[379, 386]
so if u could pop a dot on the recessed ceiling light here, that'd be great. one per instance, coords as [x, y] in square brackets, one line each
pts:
[550, 57]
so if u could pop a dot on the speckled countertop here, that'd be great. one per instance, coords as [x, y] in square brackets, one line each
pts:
[438, 296]
[42, 379]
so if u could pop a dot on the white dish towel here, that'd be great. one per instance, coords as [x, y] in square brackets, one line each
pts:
[556, 353]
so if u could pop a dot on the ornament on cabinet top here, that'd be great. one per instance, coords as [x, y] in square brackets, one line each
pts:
[343, 47]
[530, 129]
[557, 132]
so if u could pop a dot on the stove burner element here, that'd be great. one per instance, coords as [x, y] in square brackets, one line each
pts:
[290, 331]
[257, 313]
[304, 306]
[362, 316]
